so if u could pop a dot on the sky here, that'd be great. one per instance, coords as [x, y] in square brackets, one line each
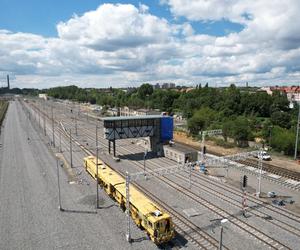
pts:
[93, 43]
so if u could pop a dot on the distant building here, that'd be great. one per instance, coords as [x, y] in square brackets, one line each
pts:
[180, 153]
[168, 85]
[156, 86]
[43, 96]
[292, 92]
[126, 111]
[187, 89]
[113, 111]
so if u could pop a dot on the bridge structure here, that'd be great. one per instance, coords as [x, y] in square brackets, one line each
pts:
[158, 128]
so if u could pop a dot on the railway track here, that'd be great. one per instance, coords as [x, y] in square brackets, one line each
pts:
[183, 226]
[273, 169]
[258, 202]
[254, 163]
[282, 211]
[243, 226]
[240, 224]
[268, 176]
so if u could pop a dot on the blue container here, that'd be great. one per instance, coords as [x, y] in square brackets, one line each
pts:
[166, 128]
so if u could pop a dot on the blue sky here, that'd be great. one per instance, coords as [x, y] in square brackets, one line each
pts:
[42, 16]
[125, 43]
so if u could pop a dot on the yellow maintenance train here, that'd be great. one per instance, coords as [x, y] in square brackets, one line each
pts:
[145, 213]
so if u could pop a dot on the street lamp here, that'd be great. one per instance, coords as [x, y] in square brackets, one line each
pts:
[221, 233]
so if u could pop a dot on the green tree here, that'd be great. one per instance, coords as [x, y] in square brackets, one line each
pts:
[283, 140]
[201, 120]
[145, 90]
[241, 131]
[280, 102]
[282, 119]
[227, 129]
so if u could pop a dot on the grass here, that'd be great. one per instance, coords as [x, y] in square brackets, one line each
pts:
[3, 109]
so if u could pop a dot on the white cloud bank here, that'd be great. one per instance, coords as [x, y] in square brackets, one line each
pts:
[120, 44]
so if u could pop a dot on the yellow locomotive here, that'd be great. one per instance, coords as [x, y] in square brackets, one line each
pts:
[143, 211]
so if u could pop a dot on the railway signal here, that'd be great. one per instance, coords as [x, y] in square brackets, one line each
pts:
[244, 185]
[245, 180]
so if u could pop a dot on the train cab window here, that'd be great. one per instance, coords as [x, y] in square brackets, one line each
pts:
[168, 225]
[150, 224]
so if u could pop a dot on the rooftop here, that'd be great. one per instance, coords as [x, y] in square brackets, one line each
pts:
[118, 118]
[180, 148]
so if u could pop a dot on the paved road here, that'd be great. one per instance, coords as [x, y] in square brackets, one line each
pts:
[29, 217]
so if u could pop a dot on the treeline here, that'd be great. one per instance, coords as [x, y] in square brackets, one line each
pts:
[3, 109]
[243, 114]
[18, 91]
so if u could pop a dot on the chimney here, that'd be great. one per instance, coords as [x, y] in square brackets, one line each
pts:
[7, 81]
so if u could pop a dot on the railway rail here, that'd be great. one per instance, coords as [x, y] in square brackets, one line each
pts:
[265, 166]
[273, 169]
[185, 227]
[243, 226]
[240, 224]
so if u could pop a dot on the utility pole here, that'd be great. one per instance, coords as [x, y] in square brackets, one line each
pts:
[190, 174]
[75, 125]
[60, 149]
[53, 137]
[297, 134]
[58, 184]
[128, 235]
[71, 155]
[27, 127]
[45, 119]
[260, 172]
[39, 110]
[97, 167]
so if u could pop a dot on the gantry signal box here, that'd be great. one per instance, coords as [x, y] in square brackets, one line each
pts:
[157, 127]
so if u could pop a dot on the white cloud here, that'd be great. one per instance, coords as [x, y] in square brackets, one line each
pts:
[120, 44]
[112, 27]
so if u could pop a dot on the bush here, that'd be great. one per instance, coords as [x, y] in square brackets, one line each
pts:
[223, 143]
[283, 140]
